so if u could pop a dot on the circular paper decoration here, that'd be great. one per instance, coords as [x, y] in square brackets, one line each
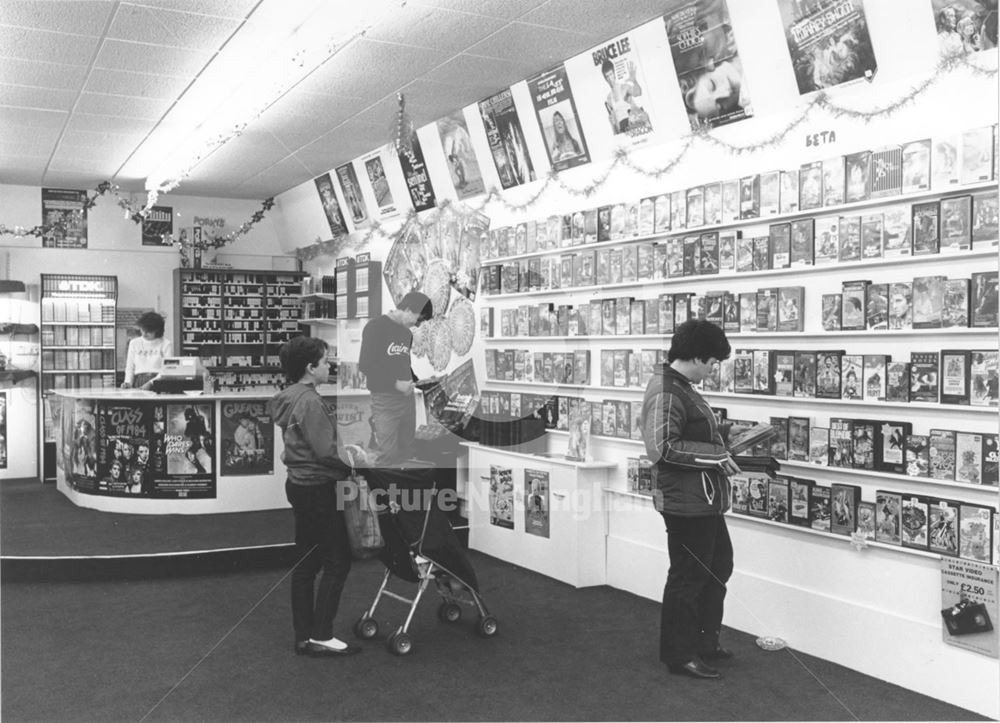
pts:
[440, 339]
[437, 286]
[462, 320]
[421, 339]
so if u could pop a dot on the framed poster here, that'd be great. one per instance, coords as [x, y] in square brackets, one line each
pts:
[64, 214]
[158, 226]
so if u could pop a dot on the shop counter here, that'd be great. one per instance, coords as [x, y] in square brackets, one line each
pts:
[133, 451]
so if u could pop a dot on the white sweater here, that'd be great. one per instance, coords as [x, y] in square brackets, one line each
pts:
[145, 357]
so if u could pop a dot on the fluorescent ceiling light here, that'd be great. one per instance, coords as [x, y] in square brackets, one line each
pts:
[278, 46]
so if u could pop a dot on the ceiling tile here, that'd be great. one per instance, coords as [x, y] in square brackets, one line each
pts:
[543, 47]
[24, 172]
[144, 58]
[31, 118]
[31, 44]
[319, 156]
[601, 20]
[92, 168]
[143, 85]
[123, 106]
[371, 70]
[157, 26]
[79, 17]
[42, 75]
[109, 124]
[44, 98]
[99, 139]
[219, 8]
[506, 10]
[477, 71]
[425, 26]
[29, 140]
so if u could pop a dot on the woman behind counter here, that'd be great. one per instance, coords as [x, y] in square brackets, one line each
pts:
[146, 352]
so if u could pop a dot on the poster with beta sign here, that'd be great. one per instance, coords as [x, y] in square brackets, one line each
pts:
[969, 610]
[247, 438]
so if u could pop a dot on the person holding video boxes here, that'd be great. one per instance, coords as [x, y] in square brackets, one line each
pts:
[691, 465]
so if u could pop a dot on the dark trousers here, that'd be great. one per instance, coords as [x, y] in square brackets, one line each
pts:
[321, 544]
[701, 562]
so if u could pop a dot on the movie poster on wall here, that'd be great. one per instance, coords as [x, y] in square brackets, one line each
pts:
[707, 62]
[557, 117]
[188, 447]
[828, 42]
[158, 226]
[418, 181]
[462, 162]
[613, 88]
[125, 459]
[506, 139]
[351, 191]
[64, 214]
[502, 496]
[965, 26]
[331, 207]
[3, 430]
[247, 439]
[375, 170]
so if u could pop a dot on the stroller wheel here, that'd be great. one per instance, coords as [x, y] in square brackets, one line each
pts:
[366, 628]
[487, 626]
[449, 612]
[399, 643]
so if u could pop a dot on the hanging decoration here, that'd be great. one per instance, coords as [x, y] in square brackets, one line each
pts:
[136, 215]
[622, 157]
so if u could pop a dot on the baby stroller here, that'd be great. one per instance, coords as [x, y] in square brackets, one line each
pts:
[421, 547]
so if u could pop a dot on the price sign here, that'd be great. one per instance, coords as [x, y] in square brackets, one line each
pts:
[969, 610]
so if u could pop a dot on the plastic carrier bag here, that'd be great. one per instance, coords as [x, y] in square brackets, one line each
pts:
[363, 530]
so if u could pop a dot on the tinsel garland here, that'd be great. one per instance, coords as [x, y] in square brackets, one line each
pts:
[137, 215]
[622, 157]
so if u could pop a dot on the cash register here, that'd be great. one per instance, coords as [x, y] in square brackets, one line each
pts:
[180, 374]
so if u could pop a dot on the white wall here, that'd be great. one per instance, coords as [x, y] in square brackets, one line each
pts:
[145, 274]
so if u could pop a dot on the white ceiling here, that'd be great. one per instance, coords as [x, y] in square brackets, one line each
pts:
[84, 82]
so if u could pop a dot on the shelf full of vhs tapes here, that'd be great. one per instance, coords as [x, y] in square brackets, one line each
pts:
[78, 331]
[236, 321]
[860, 298]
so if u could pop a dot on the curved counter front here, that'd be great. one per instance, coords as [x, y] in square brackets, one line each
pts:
[144, 453]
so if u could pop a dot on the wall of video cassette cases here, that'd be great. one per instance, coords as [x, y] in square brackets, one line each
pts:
[859, 294]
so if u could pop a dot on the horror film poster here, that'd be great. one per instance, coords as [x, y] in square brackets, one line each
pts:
[246, 438]
[125, 450]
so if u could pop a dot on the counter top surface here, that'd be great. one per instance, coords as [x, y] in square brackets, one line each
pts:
[141, 395]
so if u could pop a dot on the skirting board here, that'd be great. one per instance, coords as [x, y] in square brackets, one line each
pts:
[876, 642]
